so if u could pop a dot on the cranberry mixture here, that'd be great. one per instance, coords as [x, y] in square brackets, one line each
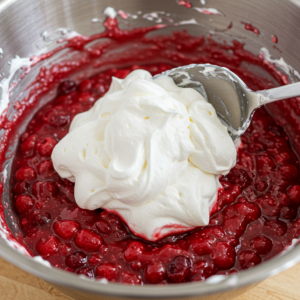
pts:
[255, 218]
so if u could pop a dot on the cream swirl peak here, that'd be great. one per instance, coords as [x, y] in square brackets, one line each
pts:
[149, 151]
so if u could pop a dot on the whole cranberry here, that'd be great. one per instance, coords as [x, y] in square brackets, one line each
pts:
[28, 144]
[24, 204]
[133, 251]
[261, 244]
[66, 87]
[294, 193]
[76, 260]
[179, 269]
[65, 228]
[88, 240]
[26, 174]
[136, 265]
[202, 245]
[103, 226]
[46, 168]
[288, 171]
[45, 147]
[47, 247]
[108, 271]
[283, 199]
[282, 158]
[225, 198]
[240, 177]
[248, 259]
[95, 259]
[288, 213]
[223, 255]
[155, 273]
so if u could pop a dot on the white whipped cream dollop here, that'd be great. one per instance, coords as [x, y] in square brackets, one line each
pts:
[150, 151]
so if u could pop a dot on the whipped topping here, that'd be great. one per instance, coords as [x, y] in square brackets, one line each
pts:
[150, 151]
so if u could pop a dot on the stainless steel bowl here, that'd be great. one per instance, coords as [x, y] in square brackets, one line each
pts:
[24, 24]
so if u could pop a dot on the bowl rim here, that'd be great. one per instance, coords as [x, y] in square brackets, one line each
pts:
[213, 285]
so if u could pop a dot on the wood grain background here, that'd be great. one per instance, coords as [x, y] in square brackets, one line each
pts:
[16, 284]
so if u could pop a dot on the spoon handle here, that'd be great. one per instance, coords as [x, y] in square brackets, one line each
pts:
[280, 93]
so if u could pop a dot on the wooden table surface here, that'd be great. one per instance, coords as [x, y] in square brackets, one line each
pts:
[19, 285]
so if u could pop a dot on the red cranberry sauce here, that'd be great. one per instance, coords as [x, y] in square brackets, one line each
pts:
[257, 212]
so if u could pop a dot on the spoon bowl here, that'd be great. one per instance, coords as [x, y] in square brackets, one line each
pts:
[233, 101]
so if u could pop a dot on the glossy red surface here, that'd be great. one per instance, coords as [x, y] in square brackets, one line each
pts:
[257, 212]
[250, 27]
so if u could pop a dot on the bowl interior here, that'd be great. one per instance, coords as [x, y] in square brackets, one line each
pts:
[31, 27]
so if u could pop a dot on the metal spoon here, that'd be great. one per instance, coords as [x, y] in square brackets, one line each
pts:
[233, 101]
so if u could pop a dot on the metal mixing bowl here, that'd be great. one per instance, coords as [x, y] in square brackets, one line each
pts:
[23, 22]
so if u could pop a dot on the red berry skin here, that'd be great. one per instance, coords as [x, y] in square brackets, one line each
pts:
[29, 143]
[237, 216]
[45, 147]
[76, 260]
[129, 278]
[103, 227]
[155, 273]
[65, 229]
[240, 177]
[47, 247]
[25, 174]
[288, 171]
[95, 259]
[275, 227]
[265, 164]
[223, 255]
[58, 118]
[261, 244]
[65, 249]
[66, 87]
[133, 251]
[294, 193]
[46, 168]
[108, 271]
[203, 246]
[288, 213]
[24, 204]
[86, 272]
[88, 240]
[179, 269]
[248, 259]
[85, 85]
